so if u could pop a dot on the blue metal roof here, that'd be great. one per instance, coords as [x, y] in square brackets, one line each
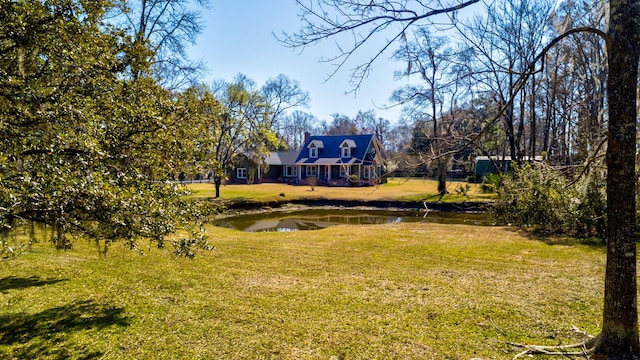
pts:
[330, 152]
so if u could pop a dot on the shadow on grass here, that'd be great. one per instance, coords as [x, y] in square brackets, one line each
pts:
[556, 239]
[12, 282]
[46, 334]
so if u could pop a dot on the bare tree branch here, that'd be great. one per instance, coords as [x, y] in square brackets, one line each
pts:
[522, 79]
[362, 20]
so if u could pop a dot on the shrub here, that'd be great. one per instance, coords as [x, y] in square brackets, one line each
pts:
[491, 183]
[353, 179]
[463, 189]
[592, 209]
[312, 181]
[487, 189]
[543, 199]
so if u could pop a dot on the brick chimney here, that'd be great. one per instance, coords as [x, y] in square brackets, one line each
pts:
[306, 136]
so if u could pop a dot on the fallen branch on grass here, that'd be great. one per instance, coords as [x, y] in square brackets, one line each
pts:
[553, 350]
[558, 349]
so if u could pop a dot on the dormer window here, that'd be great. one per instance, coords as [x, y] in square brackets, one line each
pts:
[313, 148]
[345, 148]
[346, 151]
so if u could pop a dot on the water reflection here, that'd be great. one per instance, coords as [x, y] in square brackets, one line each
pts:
[319, 219]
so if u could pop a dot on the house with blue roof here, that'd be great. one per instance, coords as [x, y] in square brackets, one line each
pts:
[341, 159]
[333, 160]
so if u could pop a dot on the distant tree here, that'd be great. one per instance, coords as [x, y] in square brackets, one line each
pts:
[574, 84]
[398, 137]
[240, 126]
[294, 127]
[460, 124]
[504, 43]
[198, 104]
[428, 58]
[167, 27]
[369, 123]
[341, 125]
[283, 96]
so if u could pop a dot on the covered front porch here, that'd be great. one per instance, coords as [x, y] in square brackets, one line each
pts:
[343, 174]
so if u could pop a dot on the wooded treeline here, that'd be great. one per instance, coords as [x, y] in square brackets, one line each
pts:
[486, 85]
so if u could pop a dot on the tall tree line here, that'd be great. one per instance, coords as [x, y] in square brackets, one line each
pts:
[558, 112]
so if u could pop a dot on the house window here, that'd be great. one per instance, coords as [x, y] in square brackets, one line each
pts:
[241, 173]
[366, 173]
[345, 148]
[343, 172]
[313, 152]
[290, 171]
[312, 171]
[346, 151]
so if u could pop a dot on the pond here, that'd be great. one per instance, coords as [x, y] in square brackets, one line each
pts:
[315, 219]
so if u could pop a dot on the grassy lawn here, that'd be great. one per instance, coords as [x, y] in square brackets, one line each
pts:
[395, 189]
[395, 291]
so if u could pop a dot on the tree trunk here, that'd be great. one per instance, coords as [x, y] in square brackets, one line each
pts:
[508, 123]
[551, 99]
[532, 119]
[442, 177]
[520, 135]
[437, 141]
[217, 181]
[619, 336]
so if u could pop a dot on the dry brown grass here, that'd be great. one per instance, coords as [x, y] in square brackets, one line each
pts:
[395, 189]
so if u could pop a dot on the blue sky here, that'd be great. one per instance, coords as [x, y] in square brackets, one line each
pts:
[238, 39]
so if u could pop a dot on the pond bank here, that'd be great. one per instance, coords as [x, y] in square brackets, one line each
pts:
[463, 207]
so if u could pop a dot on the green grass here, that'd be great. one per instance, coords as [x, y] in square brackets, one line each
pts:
[395, 291]
[409, 190]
